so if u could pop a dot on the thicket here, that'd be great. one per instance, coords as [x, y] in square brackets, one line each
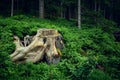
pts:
[89, 54]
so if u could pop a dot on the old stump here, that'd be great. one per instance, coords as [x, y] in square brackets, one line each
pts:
[46, 44]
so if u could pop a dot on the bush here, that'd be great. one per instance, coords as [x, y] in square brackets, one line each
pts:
[98, 75]
[84, 50]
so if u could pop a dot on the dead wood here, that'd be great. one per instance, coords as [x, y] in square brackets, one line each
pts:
[46, 43]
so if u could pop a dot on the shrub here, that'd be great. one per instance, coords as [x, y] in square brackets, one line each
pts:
[84, 49]
[98, 75]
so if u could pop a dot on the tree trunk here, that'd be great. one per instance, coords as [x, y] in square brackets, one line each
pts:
[46, 43]
[79, 14]
[41, 8]
[61, 12]
[17, 5]
[69, 12]
[12, 7]
[111, 12]
[67, 16]
[104, 12]
[95, 6]
[99, 7]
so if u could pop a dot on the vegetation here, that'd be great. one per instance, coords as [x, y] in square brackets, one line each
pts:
[89, 54]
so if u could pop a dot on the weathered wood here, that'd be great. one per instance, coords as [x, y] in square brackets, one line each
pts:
[45, 43]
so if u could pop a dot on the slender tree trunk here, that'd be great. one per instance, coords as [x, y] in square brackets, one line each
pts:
[95, 6]
[67, 13]
[79, 14]
[17, 4]
[61, 13]
[12, 7]
[111, 12]
[104, 13]
[41, 8]
[64, 14]
[99, 7]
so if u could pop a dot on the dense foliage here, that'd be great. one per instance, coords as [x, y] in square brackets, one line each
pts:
[89, 54]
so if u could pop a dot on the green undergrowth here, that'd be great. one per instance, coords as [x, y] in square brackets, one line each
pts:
[89, 54]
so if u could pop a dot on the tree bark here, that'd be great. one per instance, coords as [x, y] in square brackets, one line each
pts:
[12, 7]
[61, 12]
[99, 7]
[104, 12]
[41, 8]
[69, 12]
[67, 15]
[95, 6]
[45, 43]
[79, 14]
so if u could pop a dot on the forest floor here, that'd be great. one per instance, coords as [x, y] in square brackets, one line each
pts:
[91, 53]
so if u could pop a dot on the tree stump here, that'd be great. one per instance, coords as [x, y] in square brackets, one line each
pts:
[47, 43]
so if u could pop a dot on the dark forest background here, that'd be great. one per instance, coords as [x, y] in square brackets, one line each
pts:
[110, 9]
